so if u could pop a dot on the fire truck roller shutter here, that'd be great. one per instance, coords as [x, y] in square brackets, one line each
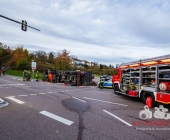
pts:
[145, 95]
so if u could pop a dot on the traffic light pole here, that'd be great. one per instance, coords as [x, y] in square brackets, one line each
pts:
[17, 22]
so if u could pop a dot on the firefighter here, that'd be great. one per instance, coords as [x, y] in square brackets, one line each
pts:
[27, 76]
[37, 76]
[3, 70]
[50, 77]
[101, 83]
[24, 75]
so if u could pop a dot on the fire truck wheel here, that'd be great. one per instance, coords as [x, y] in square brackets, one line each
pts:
[146, 95]
[116, 88]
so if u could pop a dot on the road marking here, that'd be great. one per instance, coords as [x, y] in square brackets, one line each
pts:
[8, 87]
[49, 92]
[33, 94]
[58, 118]
[9, 81]
[61, 91]
[1, 87]
[105, 92]
[15, 100]
[104, 101]
[22, 95]
[41, 93]
[101, 92]
[117, 118]
[10, 84]
[78, 99]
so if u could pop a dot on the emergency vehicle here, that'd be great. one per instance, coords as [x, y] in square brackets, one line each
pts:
[148, 79]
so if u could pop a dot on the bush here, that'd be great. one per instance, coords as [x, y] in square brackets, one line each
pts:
[23, 64]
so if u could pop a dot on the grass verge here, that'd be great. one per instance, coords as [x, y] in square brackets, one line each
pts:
[20, 73]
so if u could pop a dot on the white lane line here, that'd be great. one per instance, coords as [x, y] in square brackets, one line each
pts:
[104, 101]
[61, 91]
[78, 99]
[9, 81]
[23, 95]
[8, 87]
[58, 118]
[49, 92]
[41, 93]
[15, 100]
[33, 94]
[117, 118]
[11, 84]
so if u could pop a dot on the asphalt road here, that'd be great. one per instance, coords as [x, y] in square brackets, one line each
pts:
[50, 111]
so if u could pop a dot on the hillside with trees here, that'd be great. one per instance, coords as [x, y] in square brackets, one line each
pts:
[20, 58]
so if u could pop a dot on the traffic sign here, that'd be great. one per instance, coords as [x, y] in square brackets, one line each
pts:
[33, 65]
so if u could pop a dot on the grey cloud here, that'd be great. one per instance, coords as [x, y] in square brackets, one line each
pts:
[108, 24]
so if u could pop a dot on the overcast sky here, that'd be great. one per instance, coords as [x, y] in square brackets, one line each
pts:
[103, 31]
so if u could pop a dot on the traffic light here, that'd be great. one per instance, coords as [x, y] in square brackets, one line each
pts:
[24, 25]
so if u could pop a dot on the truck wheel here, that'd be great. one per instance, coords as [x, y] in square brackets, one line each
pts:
[116, 89]
[146, 95]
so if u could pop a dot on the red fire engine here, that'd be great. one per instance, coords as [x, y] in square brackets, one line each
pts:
[148, 79]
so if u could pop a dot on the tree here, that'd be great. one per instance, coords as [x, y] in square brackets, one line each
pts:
[5, 54]
[20, 58]
[51, 57]
[41, 56]
[63, 60]
[101, 66]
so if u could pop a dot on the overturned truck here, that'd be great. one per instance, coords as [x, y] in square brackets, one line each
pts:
[73, 78]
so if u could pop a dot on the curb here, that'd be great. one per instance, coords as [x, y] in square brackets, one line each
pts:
[3, 103]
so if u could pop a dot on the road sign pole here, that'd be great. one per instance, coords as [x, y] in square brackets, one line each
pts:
[33, 74]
